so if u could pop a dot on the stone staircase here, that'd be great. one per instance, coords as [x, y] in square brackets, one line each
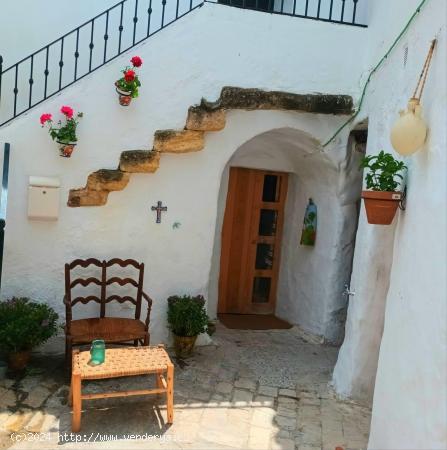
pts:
[205, 117]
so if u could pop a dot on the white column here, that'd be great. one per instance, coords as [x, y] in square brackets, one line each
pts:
[356, 367]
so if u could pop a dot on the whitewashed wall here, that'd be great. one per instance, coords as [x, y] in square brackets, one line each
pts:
[40, 48]
[182, 64]
[195, 58]
[399, 271]
[21, 33]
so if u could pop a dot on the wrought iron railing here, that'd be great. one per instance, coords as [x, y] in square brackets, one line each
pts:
[348, 12]
[81, 51]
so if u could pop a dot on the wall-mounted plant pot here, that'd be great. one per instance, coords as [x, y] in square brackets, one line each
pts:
[66, 148]
[381, 206]
[124, 97]
[18, 361]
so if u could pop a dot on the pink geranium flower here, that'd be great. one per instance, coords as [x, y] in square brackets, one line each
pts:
[67, 111]
[45, 118]
[136, 61]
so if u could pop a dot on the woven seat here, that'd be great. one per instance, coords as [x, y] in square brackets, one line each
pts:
[122, 362]
[111, 329]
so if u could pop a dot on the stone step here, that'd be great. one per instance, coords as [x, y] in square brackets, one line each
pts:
[207, 116]
[107, 180]
[252, 99]
[201, 118]
[87, 197]
[173, 141]
[139, 161]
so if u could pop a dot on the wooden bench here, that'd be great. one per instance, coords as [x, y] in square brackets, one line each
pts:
[116, 330]
[122, 362]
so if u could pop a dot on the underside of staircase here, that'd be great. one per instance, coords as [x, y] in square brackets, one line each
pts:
[205, 117]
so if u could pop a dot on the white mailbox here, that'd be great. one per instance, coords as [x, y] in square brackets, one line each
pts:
[43, 198]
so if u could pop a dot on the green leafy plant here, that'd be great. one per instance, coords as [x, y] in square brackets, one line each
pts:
[25, 324]
[384, 172]
[187, 315]
[130, 82]
[64, 133]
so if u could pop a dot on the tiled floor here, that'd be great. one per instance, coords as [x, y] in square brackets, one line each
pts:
[251, 389]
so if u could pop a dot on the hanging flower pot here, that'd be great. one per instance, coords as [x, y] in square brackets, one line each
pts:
[127, 86]
[381, 207]
[383, 179]
[65, 135]
[125, 97]
[66, 148]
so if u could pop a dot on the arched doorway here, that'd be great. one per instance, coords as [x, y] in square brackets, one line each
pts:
[310, 279]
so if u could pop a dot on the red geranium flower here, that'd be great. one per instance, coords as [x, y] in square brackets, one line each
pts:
[129, 75]
[67, 111]
[45, 118]
[136, 61]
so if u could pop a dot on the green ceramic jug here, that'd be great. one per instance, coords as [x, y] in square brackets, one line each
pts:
[97, 352]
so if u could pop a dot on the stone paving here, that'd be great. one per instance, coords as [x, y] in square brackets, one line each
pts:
[249, 390]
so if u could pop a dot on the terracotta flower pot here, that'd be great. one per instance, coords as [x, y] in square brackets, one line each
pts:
[184, 345]
[124, 97]
[18, 360]
[381, 206]
[66, 149]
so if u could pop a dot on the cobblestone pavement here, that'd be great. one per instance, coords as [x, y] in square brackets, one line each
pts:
[249, 390]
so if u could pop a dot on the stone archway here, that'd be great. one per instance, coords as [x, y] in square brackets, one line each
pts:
[311, 279]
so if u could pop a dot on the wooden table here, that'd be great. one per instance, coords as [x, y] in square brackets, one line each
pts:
[122, 362]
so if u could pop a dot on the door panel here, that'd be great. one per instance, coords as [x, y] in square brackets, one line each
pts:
[251, 241]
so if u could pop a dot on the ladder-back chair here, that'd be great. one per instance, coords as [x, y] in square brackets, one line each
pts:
[114, 330]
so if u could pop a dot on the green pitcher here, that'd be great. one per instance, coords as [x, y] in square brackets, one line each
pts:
[97, 352]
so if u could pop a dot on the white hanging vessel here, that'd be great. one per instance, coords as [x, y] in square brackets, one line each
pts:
[409, 132]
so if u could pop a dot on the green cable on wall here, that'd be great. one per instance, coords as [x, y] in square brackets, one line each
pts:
[376, 67]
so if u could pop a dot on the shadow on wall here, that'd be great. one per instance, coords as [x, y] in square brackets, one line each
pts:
[311, 279]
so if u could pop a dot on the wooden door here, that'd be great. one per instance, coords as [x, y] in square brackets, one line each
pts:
[251, 241]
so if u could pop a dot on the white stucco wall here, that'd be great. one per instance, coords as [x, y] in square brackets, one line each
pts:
[21, 34]
[57, 17]
[402, 266]
[37, 45]
[399, 271]
[173, 78]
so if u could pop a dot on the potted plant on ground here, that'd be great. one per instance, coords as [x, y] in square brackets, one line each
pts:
[383, 181]
[24, 325]
[65, 134]
[187, 319]
[127, 86]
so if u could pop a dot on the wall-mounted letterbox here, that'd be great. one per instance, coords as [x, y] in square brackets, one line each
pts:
[43, 198]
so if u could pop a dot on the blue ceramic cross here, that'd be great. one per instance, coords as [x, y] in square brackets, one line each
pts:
[159, 209]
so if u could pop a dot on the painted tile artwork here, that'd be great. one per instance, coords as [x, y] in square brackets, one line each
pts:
[309, 233]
